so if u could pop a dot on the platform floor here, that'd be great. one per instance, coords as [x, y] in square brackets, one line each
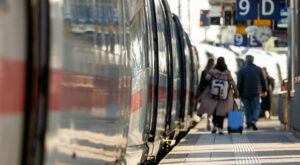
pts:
[269, 145]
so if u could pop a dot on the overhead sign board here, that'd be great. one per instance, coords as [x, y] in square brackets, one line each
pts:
[246, 9]
[280, 43]
[253, 42]
[240, 40]
[204, 18]
[269, 9]
[282, 23]
[240, 29]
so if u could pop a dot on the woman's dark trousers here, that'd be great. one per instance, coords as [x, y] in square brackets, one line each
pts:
[218, 121]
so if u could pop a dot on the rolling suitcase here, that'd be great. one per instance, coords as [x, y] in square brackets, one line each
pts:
[235, 122]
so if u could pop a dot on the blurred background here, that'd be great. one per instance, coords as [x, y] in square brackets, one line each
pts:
[217, 30]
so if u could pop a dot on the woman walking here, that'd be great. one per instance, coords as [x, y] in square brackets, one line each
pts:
[267, 100]
[215, 106]
[203, 84]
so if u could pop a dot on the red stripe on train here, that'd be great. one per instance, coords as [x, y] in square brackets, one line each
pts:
[12, 86]
[77, 91]
[71, 91]
[175, 94]
[162, 93]
[136, 101]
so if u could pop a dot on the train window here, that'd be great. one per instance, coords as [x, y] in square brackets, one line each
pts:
[161, 32]
[176, 51]
[12, 79]
[149, 32]
[137, 37]
[89, 82]
[187, 57]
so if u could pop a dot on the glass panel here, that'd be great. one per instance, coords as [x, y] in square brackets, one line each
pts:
[138, 42]
[161, 32]
[176, 51]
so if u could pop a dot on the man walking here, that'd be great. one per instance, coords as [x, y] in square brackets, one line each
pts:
[251, 84]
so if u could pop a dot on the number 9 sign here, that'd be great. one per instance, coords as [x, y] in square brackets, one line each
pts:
[244, 5]
[246, 9]
[240, 40]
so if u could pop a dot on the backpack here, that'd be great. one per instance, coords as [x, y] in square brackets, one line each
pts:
[219, 89]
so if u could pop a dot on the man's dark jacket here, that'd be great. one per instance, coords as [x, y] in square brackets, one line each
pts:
[251, 81]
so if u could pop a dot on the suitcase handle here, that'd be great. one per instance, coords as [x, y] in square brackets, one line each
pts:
[239, 108]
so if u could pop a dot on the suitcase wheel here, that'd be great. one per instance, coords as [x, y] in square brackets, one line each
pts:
[229, 130]
[241, 130]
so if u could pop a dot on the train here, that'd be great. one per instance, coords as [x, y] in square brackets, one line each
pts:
[93, 81]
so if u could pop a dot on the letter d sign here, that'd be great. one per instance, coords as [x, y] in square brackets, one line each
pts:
[270, 9]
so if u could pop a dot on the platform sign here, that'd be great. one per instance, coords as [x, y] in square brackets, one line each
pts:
[280, 43]
[240, 30]
[238, 22]
[253, 42]
[282, 23]
[246, 9]
[240, 40]
[204, 18]
[269, 9]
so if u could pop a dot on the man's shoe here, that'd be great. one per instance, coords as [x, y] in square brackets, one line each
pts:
[249, 126]
[221, 132]
[214, 130]
[254, 127]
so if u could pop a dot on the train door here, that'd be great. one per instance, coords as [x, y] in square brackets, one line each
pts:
[174, 77]
[141, 83]
[13, 73]
[159, 116]
[198, 64]
[89, 83]
[153, 71]
[193, 77]
[177, 76]
[188, 88]
[183, 115]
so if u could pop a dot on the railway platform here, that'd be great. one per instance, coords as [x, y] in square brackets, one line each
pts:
[269, 145]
